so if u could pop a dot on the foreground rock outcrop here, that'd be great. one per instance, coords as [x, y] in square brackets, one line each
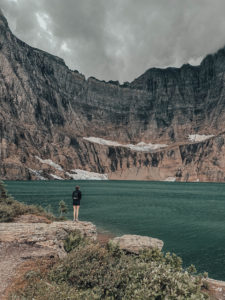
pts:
[46, 110]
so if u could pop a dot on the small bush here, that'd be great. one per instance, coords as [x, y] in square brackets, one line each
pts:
[62, 207]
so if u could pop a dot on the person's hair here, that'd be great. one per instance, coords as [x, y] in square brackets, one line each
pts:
[77, 187]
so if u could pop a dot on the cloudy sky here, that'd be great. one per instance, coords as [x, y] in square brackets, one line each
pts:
[119, 39]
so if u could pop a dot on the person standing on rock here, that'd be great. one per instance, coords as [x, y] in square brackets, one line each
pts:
[76, 196]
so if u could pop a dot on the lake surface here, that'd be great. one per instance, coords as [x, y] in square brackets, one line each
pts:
[188, 217]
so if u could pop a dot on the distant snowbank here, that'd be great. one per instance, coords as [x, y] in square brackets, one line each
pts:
[170, 179]
[50, 163]
[199, 137]
[56, 177]
[75, 174]
[138, 147]
[37, 174]
[86, 175]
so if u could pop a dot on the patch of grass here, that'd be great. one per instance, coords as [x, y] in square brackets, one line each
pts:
[11, 208]
[93, 272]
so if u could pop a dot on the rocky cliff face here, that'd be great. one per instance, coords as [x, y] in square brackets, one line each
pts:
[46, 110]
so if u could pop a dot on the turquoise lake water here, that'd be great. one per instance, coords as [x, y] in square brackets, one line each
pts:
[188, 217]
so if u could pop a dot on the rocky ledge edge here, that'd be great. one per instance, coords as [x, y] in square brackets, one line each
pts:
[31, 237]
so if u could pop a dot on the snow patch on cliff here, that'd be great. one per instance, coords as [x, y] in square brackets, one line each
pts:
[75, 174]
[145, 147]
[199, 137]
[56, 177]
[50, 163]
[170, 179]
[86, 175]
[101, 141]
[37, 174]
[138, 147]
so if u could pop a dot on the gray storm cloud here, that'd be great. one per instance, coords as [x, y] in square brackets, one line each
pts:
[120, 39]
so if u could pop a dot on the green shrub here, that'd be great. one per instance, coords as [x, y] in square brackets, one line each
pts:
[73, 240]
[93, 272]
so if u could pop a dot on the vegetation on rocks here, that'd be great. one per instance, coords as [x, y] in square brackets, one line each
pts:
[94, 272]
[73, 240]
[11, 208]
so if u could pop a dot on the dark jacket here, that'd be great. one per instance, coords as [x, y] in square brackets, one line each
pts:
[76, 195]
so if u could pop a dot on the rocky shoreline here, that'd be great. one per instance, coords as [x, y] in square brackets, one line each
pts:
[32, 240]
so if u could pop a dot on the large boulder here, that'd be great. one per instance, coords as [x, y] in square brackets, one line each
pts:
[136, 243]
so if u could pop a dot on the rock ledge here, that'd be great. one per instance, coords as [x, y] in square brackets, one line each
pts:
[44, 237]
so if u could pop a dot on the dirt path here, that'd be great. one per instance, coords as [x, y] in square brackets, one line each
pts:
[8, 264]
[11, 258]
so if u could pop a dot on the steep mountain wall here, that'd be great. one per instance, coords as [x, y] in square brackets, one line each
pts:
[46, 110]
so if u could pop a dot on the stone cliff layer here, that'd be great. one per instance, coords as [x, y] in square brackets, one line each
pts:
[46, 109]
